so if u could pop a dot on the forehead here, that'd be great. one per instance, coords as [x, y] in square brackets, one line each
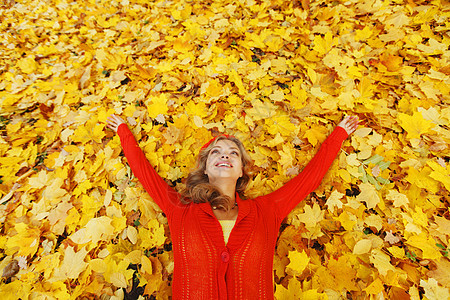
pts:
[225, 144]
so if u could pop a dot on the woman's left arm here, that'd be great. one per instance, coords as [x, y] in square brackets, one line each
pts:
[288, 196]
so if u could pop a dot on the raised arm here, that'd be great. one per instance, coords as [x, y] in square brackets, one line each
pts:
[163, 195]
[288, 196]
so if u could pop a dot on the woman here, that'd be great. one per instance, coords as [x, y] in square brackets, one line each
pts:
[211, 262]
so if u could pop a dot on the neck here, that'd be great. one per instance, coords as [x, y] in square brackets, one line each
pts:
[227, 188]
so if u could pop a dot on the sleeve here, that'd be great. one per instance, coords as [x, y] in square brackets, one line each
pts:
[163, 195]
[286, 198]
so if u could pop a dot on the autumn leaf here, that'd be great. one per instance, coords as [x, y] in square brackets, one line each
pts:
[298, 262]
[414, 125]
[369, 195]
[72, 265]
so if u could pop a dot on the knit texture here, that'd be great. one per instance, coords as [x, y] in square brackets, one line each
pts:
[204, 266]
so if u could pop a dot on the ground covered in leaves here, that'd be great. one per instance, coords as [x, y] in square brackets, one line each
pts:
[277, 74]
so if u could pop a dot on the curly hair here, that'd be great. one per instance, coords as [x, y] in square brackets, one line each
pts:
[199, 190]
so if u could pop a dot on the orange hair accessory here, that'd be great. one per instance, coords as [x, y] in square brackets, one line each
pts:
[214, 138]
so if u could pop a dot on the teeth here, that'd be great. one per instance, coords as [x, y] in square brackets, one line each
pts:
[223, 165]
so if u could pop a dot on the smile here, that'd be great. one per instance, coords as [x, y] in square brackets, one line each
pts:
[223, 164]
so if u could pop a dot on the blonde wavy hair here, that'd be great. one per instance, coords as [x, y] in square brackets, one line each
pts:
[199, 190]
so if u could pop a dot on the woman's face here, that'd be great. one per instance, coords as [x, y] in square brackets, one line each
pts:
[224, 161]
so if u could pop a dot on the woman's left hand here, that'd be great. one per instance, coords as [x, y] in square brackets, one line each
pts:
[349, 123]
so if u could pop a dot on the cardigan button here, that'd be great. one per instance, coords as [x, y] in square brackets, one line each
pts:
[225, 256]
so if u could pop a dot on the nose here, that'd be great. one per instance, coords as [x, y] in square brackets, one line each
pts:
[225, 156]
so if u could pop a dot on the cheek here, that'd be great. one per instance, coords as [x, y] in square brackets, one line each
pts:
[207, 165]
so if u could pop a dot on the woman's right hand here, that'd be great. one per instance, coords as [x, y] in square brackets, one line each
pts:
[113, 122]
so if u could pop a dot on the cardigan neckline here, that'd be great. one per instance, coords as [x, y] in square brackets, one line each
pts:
[213, 229]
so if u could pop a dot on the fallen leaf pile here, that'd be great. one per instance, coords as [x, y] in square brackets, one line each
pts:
[279, 75]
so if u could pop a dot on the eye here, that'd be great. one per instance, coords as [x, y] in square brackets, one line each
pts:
[235, 153]
[214, 151]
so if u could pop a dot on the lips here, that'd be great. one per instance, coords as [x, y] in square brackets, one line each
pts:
[224, 164]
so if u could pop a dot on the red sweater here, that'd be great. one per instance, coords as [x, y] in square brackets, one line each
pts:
[206, 268]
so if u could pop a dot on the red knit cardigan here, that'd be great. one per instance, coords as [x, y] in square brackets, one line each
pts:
[206, 268]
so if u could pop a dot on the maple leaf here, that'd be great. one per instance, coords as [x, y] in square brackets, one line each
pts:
[298, 262]
[414, 125]
[426, 244]
[311, 217]
[343, 273]
[154, 236]
[398, 198]
[441, 273]
[157, 105]
[440, 174]
[369, 195]
[381, 261]
[391, 238]
[315, 134]
[25, 241]
[323, 45]
[334, 201]
[261, 110]
[72, 265]
[96, 229]
[433, 290]
[375, 287]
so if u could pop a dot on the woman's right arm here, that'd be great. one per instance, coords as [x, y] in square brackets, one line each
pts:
[163, 195]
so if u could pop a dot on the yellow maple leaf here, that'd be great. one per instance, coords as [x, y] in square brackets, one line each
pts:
[369, 195]
[298, 95]
[311, 215]
[443, 224]
[343, 273]
[315, 134]
[154, 236]
[298, 262]
[414, 125]
[398, 198]
[118, 273]
[433, 290]
[375, 287]
[97, 229]
[233, 76]
[109, 60]
[286, 156]
[347, 220]
[426, 244]
[72, 265]
[381, 261]
[397, 252]
[196, 109]
[26, 241]
[441, 273]
[324, 44]
[440, 173]
[157, 105]
[183, 44]
[421, 178]
[334, 201]
[365, 89]
[261, 110]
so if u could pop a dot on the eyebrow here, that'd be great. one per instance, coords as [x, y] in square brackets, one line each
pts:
[232, 147]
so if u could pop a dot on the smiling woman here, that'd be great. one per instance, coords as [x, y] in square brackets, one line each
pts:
[215, 183]
[223, 245]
